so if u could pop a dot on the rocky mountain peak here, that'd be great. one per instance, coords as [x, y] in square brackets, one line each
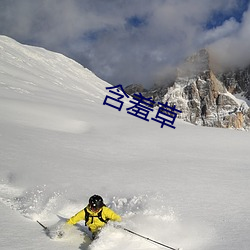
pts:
[197, 64]
[206, 98]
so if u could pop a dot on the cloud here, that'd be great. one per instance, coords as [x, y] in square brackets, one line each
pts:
[121, 41]
[228, 28]
[233, 49]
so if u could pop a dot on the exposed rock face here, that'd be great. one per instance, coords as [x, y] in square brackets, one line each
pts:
[134, 88]
[237, 81]
[203, 98]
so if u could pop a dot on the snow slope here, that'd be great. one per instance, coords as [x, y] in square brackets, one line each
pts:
[187, 187]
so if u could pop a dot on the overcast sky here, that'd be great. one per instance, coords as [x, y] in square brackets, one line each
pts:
[131, 41]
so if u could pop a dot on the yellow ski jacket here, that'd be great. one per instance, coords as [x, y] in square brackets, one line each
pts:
[94, 223]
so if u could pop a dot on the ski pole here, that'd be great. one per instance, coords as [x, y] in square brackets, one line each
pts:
[45, 228]
[146, 238]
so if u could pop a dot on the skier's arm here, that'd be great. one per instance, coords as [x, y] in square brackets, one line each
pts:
[110, 214]
[77, 217]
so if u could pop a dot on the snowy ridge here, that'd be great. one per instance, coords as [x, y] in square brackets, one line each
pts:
[30, 63]
[186, 187]
[40, 77]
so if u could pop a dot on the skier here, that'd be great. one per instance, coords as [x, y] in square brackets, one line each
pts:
[95, 214]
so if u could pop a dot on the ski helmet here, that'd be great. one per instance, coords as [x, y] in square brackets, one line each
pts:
[95, 202]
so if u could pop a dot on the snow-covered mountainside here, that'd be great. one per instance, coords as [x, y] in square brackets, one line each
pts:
[186, 187]
[35, 74]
